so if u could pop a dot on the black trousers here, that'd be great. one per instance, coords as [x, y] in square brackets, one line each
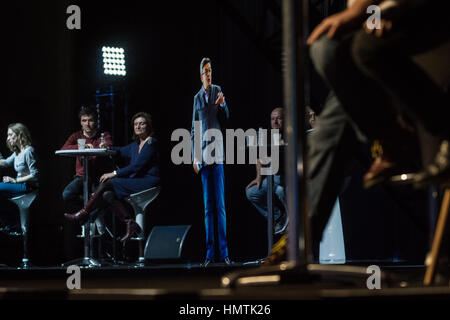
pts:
[333, 145]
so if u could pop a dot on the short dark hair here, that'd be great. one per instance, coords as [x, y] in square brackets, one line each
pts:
[88, 111]
[204, 62]
[148, 119]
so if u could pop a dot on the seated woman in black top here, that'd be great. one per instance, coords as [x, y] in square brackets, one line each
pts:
[140, 174]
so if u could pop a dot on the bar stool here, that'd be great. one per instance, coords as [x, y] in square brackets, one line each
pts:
[139, 201]
[432, 257]
[436, 64]
[24, 202]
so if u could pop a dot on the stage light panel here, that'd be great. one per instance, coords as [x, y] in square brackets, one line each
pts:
[114, 61]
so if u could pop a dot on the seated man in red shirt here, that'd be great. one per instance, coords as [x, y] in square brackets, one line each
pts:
[73, 192]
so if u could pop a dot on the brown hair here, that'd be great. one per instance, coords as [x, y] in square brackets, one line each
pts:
[148, 119]
[23, 136]
[88, 111]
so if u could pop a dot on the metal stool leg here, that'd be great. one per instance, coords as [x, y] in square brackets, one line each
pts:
[141, 251]
[141, 222]
[139, 201]
[25, 223]
[433, 256]
[23, 203]
[114, 238]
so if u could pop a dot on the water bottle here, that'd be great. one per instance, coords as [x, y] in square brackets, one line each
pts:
[102, 140]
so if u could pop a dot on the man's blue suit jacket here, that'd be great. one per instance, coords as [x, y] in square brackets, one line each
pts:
[208, 113]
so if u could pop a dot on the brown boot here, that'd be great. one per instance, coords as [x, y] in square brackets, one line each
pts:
[124, 215]
[132, 229]
[82, 215]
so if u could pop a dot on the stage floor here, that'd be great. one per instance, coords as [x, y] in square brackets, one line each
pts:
[218, 282]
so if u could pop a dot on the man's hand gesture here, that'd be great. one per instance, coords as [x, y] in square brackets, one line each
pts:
[195, 165]
[220, 98]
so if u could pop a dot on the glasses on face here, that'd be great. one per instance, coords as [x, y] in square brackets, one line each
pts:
[207, 71]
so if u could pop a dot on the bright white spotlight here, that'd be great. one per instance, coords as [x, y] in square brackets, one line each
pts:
[113, 61]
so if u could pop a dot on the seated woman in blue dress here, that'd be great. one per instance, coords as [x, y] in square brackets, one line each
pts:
[22, 159]
[140, 174]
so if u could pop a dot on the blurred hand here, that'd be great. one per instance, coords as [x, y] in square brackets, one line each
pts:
[7, 179]
[256, 182]
[107, 176]
[385, 27]
[336, 24]
[103, 145]
[89, 146]
[220, 98]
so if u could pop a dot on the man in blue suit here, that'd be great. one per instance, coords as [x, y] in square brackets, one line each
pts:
[209, 105]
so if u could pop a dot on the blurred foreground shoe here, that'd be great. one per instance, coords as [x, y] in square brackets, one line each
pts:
[438, 172]
[278, 253]
[392, 158]
[380, 170]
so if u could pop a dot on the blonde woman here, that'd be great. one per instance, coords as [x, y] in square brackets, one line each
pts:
[22, 159]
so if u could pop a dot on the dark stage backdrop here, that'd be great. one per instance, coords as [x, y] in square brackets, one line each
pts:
[51, 71]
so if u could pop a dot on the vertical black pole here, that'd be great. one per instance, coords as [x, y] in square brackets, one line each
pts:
[113, 112]
[270, 220]
[87, 228]
[294, 67]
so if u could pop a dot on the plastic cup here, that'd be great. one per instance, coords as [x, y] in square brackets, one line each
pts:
[81, 144]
